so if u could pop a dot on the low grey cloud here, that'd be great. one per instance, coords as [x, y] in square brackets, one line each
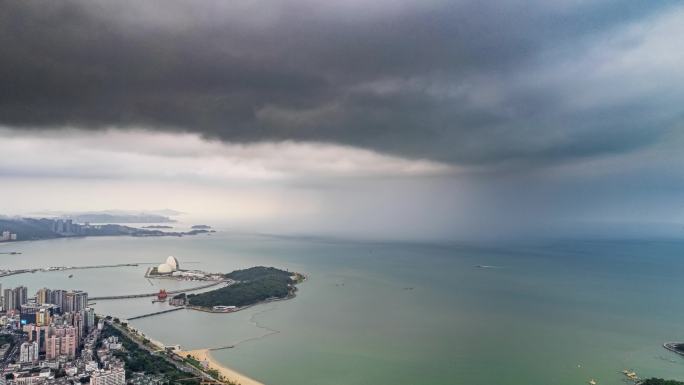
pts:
[466, 82]
[155, 156]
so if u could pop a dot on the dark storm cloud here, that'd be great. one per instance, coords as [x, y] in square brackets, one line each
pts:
[447, 80]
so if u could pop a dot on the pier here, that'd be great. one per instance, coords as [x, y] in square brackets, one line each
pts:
[214, 283]
[5, 273]
[221, 347]
[156, 313]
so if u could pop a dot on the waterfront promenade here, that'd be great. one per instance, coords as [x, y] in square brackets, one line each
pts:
[182, 366]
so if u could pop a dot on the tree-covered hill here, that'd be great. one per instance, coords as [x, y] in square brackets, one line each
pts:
[253, 285]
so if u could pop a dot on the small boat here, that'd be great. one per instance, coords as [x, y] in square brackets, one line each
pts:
[71, 276]
[592, 382]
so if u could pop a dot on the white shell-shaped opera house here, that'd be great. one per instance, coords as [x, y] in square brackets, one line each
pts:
[164, 268]
[169, 266]
[173, 262]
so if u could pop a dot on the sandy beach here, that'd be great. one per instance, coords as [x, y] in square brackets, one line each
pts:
[230, 374]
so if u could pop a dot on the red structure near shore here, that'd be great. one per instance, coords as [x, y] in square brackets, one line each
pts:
[162, 295]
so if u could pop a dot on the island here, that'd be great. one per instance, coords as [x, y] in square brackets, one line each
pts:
[201, 227]
[157, 227]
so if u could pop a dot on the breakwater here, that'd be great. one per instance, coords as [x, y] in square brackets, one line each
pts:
[213, 283]
[156, 313]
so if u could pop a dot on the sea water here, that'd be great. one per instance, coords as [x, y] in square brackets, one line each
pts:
[402, 313]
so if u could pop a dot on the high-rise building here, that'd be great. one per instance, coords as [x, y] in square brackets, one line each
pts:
[114, 376]
[60, 341]
[8, 300]
[58, 226]
[44, 295]
[20, 296]
[28, 312]
[75, 301]
[37, 334]
[90, 318]
[57, 297]
[43, 317]
[28, 352]
[79, 323]
[52, 347]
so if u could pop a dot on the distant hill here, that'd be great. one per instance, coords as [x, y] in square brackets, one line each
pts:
[28, 228]
[119, 218]
[253, 285]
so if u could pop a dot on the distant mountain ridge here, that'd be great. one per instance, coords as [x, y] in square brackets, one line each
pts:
[113, 216]
[47, 228]
[119, 218]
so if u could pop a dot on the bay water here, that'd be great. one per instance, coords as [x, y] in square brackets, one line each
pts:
[547, 312]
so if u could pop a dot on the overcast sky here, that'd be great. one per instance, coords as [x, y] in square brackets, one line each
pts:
[388, 119]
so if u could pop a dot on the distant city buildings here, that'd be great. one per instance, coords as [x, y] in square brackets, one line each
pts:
[67, 227]
[60, 227]
[7, 236]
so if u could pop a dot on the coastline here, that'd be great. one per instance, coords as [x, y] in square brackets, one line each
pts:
[228, 373]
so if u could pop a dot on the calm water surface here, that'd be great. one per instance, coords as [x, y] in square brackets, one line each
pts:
[392, 313]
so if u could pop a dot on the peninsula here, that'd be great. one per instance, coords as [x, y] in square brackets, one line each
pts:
[28, 229]
[242, 288]
[250, 286]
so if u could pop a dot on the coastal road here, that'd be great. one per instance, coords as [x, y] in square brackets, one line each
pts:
[178, 364]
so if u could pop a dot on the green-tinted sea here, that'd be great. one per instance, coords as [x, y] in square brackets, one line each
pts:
[404, 314]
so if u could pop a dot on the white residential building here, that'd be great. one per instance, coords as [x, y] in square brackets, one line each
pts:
[28, 352]
[115, 376]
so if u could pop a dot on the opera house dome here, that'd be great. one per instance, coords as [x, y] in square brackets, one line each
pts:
[173, 263]
[165, 268]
